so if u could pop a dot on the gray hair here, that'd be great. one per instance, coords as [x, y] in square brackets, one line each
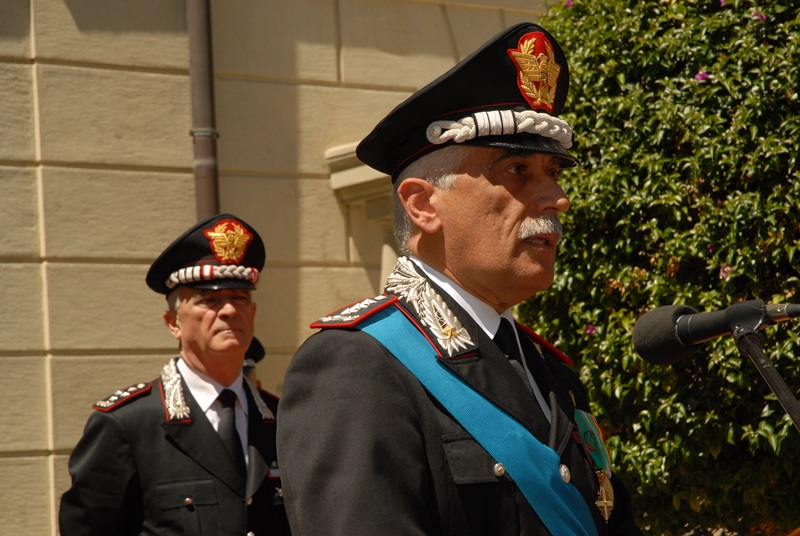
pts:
[440, 168]
[173, 300]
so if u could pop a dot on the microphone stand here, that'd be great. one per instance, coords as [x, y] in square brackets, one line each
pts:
[750, 344]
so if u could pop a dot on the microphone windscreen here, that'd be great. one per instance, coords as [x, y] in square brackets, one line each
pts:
[655, 339]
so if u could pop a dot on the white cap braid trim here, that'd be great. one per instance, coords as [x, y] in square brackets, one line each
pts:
[207, 272]
[500, 123]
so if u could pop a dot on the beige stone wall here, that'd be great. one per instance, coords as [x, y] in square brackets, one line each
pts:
[96, 178]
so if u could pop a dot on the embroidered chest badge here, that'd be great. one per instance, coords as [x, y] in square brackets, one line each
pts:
[229, 241]
[538, 70]
[431, 308]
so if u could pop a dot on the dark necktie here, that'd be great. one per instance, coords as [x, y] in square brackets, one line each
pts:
[227, 429]
[507, 341]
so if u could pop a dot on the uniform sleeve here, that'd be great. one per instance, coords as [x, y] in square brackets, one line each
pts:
[350, 447]
[102, 499]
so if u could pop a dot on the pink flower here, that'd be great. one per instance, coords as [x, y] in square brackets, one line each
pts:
[725, 272]
[759, 16]
[710, 248]
[722, 2]
[569, 3]
[591, 329]
[702, 75]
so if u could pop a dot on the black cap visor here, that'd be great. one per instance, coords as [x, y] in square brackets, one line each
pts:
[219, 284]
[527, 142]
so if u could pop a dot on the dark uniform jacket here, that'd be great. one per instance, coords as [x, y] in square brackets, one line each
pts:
[364, 449]
[150, 462]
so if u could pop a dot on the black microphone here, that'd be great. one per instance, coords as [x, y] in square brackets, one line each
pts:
[674, 332]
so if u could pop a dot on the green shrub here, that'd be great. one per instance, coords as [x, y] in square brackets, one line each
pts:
[687, 124]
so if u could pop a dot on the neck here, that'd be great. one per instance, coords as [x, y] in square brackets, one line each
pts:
[488, 297]
[223, 370]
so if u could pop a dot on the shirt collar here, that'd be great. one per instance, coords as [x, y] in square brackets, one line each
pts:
[205, 389]
[482, 313]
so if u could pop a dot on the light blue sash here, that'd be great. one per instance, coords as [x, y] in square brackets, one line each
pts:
[533, 466]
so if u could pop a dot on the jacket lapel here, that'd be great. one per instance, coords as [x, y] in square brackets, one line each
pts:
[562, 431]
[465, 348]
[562, 415]
[259, 438]
[490, 373]
[197, 438]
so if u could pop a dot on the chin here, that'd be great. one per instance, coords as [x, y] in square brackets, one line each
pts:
[537, 280]
[232, 343]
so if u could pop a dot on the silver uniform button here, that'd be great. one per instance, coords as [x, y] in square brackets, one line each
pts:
[251, 533]
[566, 476]
[188, 501]
[499, 469]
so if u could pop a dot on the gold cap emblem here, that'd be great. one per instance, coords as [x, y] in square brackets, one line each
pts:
[229, 241]
[538, 70]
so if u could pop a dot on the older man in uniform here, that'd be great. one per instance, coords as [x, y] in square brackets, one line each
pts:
[428, 409]
[191, 452]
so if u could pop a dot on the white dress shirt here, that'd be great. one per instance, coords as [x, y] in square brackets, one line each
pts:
[205, 391]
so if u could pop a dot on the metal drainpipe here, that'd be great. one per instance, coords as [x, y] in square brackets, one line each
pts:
[204, 132]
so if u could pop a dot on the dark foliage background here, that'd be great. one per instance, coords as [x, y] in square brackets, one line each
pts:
[687, 124]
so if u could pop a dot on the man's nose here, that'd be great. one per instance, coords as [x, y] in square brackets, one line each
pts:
[562, 203]
[228, 309]
[552, 199]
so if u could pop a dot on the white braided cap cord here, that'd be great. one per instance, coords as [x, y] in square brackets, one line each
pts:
[500, 123]
[193, 274]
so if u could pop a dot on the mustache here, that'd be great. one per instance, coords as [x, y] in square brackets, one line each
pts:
[544, 224]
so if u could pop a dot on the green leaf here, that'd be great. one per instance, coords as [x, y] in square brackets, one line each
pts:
[688, 192]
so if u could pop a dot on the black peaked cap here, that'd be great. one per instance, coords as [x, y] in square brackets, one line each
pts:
[221, 252]
[504, 74]
[255, 352]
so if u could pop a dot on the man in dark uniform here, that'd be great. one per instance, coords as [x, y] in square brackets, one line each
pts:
[428, 410]
[191, 452]
[254, 355]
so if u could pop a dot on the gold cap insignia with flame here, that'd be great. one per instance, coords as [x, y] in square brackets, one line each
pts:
[228, 240]
[538, 70]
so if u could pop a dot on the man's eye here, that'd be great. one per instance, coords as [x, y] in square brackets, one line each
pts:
[205, 299]
[517, 169]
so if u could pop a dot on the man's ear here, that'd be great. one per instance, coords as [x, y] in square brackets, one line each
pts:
[172, 323]
[415, 195]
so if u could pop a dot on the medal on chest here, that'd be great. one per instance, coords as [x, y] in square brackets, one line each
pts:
[591, 439]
